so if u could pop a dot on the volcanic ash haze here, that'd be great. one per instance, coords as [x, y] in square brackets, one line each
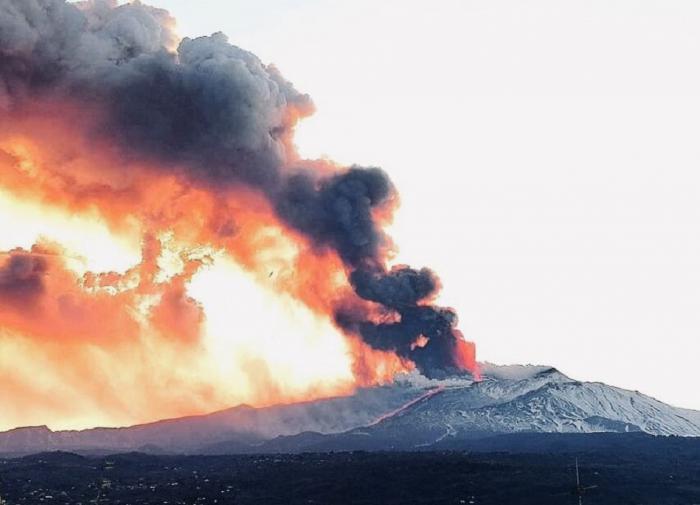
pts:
[153, 199]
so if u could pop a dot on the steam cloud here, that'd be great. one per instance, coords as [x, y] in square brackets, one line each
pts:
[215, 114]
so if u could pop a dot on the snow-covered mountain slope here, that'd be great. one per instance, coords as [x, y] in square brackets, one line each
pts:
[533, 400]
[692, 415]
[242, 425]
[415, 412]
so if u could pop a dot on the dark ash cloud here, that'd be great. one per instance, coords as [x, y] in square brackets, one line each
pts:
[402, 290]
[205, 104]
[337, 211]
[220, 117]
[398, 288]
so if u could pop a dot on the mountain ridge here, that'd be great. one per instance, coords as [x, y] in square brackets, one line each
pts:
[413, 413]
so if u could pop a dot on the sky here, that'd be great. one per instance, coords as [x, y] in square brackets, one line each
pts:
[546, 155]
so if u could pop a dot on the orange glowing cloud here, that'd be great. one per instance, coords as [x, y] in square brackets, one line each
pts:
[167, 252]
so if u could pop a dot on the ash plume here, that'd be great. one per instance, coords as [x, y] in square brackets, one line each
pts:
[425, 334]
[336, 212]
[214, 114]
[207, 105]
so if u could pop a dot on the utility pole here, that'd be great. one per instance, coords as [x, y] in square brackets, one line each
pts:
[580, 490]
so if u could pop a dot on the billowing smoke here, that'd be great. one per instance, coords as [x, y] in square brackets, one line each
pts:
[216, 116]
[425, 334]
[212, 108]
[337, 211]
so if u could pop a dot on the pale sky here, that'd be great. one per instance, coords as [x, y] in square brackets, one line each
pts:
[546, 153]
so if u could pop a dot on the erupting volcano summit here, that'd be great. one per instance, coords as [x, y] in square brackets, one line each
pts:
[120, 136]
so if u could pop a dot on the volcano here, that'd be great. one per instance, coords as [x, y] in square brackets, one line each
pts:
[414, 413]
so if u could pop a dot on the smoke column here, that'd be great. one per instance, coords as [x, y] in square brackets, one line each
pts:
[135, 118]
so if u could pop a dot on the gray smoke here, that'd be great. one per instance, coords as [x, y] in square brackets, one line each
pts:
[405, 291]
[223, 117]
[208, 105]
[398, 288]
[337, 211]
